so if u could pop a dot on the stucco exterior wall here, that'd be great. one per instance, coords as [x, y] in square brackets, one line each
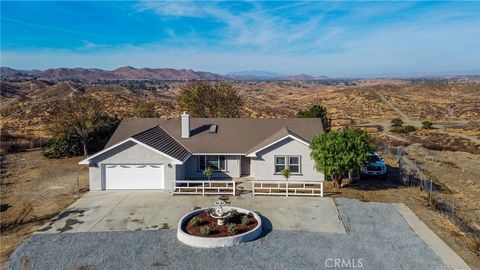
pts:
[263, 166]
[233, 168]
[130, 153]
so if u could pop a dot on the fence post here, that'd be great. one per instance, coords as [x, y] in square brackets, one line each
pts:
[234, 189]
[430, 193]
[321, 189]
[253, 188]
[286, 185]
[78, 187]
[203, 188]
[453, 220]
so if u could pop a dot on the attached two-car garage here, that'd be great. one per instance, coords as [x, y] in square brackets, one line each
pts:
[134, 176]
[133, 165]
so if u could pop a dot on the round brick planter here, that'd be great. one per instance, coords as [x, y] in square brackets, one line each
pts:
[212, 242]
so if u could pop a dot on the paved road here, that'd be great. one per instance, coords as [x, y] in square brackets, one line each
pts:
[377, 237]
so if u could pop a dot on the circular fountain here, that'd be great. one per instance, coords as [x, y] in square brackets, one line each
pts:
[222, 226]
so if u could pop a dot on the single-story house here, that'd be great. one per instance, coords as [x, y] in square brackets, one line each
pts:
[150, 153]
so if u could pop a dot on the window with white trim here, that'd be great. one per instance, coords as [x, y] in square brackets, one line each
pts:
[293, 163]
[216, 162]
[280, 163]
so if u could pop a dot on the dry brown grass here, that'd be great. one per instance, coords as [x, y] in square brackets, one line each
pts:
[33, 190]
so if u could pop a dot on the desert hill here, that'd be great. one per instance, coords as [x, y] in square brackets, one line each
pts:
[131, 73]
[94, 74]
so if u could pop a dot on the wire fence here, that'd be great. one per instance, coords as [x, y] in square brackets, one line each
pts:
[413, 174]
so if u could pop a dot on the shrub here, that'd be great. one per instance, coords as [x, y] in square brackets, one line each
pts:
[405, 129]
[245, 220]
[394, 129]
[194, 221]
[208, 172]
[232, 228]
[427, 125]
[63, 147]
[409, 128]
[397, 122]
[205, 231]
[285, 173]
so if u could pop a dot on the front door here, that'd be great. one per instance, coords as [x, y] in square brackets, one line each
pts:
[245, 166]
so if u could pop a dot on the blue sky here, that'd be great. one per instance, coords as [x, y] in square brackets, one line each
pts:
[318, 38]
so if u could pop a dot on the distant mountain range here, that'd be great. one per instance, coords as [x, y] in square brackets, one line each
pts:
[123, 73]
[266, 75]
[131, 73]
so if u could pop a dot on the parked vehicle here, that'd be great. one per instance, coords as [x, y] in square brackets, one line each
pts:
[375, 167]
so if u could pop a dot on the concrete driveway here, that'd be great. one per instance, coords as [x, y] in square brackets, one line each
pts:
[153, 210]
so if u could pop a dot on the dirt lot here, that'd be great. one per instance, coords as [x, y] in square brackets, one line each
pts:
[33, 190]
[392, 190]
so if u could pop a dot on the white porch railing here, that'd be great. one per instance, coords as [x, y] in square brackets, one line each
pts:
[212, 187]
[287, 188]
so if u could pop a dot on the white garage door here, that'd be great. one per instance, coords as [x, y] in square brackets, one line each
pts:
[134, 176]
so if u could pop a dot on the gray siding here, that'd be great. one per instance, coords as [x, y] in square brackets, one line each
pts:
[263, 166]
[233, 168]
[130, 153]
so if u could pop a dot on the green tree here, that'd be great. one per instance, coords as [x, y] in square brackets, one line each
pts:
[339, 152]
[285, 173]
[146, 109]
[317, 111]
[210, 99]
[79, 118]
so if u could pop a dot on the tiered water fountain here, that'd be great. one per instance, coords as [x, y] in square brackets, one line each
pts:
[220, 214]
[219, 227]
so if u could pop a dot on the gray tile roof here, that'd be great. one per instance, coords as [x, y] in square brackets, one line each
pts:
[234, 135]
[157, 138]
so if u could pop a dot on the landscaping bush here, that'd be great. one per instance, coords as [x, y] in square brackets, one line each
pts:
[208, 172]
[397, 122]
[427, 125]
[205, 231]
[232, 228]
[245, 220]
[194, 221]
[285, 173]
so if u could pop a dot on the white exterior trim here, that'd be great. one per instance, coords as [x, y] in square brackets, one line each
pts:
[175, 161]
[218, 154]
[254, 154]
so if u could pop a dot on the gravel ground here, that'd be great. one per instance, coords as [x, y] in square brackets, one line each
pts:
[377, 238]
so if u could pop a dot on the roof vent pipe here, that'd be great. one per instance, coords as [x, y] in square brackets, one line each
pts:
[185, 125]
